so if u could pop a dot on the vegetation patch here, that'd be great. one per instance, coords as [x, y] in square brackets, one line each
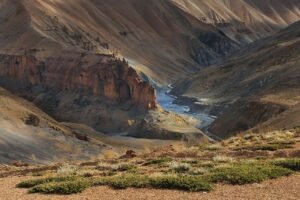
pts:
[159, 161]
[32, 183]
[292, 164]
[180, 167]
[124, 167]
[265, 147]
[186, 183]
[66, 187]
[248, 173]
[122, 182]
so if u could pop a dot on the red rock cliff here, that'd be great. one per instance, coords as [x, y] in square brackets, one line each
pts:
[96, 75]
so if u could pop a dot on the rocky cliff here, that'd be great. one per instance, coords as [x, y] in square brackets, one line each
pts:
[76, 85]
[107, 77]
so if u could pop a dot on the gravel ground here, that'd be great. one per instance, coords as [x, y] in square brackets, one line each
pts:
[286, 188]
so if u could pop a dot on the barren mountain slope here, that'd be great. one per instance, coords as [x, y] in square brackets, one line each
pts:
[257, 83]
[165, 39]
[29, 135]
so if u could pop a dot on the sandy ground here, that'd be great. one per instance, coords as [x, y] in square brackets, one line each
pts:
[286, 188]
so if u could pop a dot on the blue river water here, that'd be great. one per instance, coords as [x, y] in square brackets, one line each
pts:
[166, 102]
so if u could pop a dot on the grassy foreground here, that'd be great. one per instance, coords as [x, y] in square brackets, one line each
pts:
[242, 172]
[245, 159]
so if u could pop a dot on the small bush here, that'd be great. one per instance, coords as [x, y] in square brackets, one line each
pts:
[32, 183]
[187, 183]
[292, 164]
[250, 173]
[67, 187]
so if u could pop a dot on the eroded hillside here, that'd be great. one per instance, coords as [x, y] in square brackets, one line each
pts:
[164, 39]
[257, 84]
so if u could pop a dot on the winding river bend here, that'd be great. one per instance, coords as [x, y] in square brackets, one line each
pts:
[166, 101]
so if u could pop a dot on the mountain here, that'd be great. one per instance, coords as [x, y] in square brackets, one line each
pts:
[164, 39]
[97, 64]
[259, 86]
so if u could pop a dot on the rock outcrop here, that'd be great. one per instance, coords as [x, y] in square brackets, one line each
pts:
[98, 90]
[96, 75]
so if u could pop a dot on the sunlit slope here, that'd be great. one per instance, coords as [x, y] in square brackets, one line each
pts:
[165, 39]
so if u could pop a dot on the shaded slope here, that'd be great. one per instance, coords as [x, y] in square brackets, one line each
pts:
[257, 83]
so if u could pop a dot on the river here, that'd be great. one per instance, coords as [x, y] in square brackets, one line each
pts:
[166, 101]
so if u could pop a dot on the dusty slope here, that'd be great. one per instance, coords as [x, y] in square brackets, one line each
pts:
[257, 83]
[28, 134]
[165, 39]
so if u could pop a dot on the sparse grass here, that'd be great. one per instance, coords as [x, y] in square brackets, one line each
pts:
[248, 173]
[197, 173]
[213, 147]
[180, 167]
[124, 167]
[265, 141]
[223, 159]
[103, 166]
[67, 170]
[109, 154]
[265, 147]
[159, 161]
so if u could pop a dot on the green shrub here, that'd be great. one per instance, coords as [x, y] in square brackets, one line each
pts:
[32, 183]
[292, 164]
[248, 173]
[187, 183]
[67, 187]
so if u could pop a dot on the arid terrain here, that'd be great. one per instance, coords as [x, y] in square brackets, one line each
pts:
[149, 99]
